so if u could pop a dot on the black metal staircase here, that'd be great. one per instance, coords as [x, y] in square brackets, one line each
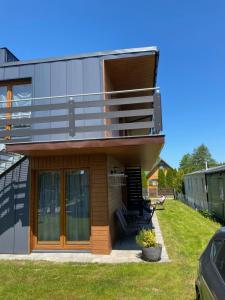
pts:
[134, 188]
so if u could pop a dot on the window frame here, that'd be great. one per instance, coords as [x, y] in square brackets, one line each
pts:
[9, 96]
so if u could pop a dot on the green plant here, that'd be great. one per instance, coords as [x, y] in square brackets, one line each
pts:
[146, 238]
[205, 213]
[169, 178]
[161, 179]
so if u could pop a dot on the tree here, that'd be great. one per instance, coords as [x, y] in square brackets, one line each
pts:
[169, 178]
[174, 178]
[144, 179]
[201, 156]
[161, 179]
[186, 163]
[178, 181]
[197, 160]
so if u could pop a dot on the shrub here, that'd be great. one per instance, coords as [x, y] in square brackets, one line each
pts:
[205, 213]
[146, 238]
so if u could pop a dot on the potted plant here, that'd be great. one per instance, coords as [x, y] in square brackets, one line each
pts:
[151, 250]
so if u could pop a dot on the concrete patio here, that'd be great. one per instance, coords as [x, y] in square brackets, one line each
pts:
[125, 251]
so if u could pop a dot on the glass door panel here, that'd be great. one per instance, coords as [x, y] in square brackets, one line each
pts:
[3, 100]
[77, 205]
[48, 206]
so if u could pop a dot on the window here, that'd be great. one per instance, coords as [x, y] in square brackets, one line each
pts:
[153, 182]
[218, 256]
[9, 92]
[3, 99]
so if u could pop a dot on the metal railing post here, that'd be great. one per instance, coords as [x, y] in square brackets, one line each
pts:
[71, 117]
[157, 112]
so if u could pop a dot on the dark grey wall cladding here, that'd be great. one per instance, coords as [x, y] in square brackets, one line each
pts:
[14, 209]
[2, 55]
[6, 56]
[66, 77]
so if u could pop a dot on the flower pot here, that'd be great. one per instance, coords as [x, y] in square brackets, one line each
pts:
[152, 253]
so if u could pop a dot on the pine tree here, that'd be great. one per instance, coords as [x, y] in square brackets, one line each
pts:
[161, 179]
[197, 160]
[200, 156]
[186, 163]
[169, 178]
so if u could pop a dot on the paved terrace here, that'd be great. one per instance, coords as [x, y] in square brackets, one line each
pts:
[125, 251]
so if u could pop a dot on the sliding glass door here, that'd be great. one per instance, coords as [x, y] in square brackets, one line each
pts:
[62, 208]
[77, 205]
[48, 212]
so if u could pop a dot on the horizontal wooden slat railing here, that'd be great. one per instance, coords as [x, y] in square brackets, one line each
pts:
[30, 119]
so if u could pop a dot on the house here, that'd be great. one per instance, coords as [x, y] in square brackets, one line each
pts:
[152, 177]
[84, 126]
[205, 190]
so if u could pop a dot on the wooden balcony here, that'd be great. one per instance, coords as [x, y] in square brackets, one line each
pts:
[82, 117]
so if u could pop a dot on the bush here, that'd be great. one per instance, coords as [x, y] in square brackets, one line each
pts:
[205, 213]
[146, 238]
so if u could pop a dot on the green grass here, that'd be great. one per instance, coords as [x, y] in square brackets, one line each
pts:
[186, 233]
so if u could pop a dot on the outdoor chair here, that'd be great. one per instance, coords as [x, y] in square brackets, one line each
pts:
[124, 228]
[133, 216]
[132, 228]
[160, 202]
[130, 215]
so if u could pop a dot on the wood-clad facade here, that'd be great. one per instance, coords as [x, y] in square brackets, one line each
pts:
[100, 241]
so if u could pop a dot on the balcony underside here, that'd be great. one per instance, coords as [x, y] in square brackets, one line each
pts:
[135, 151]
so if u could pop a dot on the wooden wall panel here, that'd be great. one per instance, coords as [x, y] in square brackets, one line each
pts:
[100, 237]
[100, 241]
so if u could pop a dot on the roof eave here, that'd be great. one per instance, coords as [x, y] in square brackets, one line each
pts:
[153, 49]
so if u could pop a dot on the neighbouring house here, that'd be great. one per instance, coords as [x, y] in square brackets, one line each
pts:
[205, 190]
[77, 130]
[152, 178]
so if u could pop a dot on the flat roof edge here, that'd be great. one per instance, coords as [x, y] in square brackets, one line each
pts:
[80, 56]
[208, 171]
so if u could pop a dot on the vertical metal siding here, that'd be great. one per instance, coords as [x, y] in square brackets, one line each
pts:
[75, 86]
[42, 88]
[6, 214]
[58, 87]
[26, 71]
[81, 75]
[2, 73]
[14, 210]
[12, 72]
[21, 200]
[92, 83]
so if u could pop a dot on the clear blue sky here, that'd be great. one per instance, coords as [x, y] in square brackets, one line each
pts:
[191, 38]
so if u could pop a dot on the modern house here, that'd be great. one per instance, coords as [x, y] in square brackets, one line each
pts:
[77, 130]
[205, 190]
[152, 176]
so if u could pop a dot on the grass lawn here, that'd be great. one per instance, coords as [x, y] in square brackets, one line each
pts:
[185, 233]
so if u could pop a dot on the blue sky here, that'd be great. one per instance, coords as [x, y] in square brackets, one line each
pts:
[190, 36]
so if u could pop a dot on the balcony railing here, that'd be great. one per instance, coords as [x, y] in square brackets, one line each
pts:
[81, 116]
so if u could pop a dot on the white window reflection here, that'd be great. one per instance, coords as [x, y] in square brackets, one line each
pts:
[21, 93]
